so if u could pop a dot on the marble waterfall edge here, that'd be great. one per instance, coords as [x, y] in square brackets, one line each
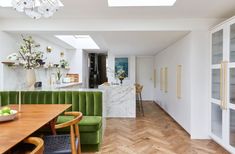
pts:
[120, 101]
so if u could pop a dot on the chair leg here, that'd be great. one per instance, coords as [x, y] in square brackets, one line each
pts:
[138, 102]
[141, 102]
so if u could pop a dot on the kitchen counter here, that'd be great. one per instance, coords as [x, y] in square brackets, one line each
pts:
[120, 101]
[68, 85]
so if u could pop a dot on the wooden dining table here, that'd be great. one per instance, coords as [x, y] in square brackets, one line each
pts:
[29, 120]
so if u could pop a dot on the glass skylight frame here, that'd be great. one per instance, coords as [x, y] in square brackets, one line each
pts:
[79, 41]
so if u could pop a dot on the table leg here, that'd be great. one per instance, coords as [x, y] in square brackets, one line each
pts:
[52, 124]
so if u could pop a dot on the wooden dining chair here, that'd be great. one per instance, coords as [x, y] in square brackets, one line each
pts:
[66, 143]
[31, 145]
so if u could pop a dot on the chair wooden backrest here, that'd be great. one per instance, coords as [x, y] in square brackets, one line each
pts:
[139, 88]
[38, 142]
[74, 130]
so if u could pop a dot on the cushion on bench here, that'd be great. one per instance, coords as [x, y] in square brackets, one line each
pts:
[87, 124]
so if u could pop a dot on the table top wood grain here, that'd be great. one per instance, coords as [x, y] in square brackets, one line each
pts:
[29, 120]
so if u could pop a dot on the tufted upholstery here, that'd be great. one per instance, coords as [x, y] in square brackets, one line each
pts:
[89, 103]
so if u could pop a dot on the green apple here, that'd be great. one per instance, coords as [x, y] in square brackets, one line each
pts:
[12, 112]
[5, 114]
[6, 110]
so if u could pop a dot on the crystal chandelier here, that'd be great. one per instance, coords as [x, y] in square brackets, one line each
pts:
[37, 8]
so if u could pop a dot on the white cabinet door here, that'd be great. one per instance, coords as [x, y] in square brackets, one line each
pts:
[223, 85]
[218, 59]
[231, 94]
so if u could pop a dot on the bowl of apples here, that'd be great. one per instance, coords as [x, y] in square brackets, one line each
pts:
[6, 114]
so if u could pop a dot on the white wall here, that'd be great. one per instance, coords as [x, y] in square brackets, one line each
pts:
[85, 70]
[144, 76]
[177, 54]
[11, 78]
[131, 80]
[200, 78]
[76, 62]
[191, 112]
[7, 45]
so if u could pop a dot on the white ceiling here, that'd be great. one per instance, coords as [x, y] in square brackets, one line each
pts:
[100, 9]
[125, 43]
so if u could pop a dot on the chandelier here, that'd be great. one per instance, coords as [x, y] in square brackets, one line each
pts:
[37, 8]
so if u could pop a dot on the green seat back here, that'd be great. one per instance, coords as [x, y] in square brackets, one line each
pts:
[89, 103]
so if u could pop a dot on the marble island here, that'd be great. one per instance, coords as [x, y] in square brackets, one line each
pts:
[120, 101]
[68, 85]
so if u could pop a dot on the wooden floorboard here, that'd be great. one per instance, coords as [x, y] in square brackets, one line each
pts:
[156, 133]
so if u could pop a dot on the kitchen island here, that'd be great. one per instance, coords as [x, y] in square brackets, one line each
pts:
[120, 101]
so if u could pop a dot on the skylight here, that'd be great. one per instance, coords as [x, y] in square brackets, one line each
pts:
[79, 41]
[126, 3]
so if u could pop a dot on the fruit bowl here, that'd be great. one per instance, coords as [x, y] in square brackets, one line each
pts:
[9, 117]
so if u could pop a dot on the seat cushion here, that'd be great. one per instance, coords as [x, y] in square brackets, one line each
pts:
[57, 144]
[87, 124]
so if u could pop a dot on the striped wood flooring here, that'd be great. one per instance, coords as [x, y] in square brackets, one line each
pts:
[156, 133]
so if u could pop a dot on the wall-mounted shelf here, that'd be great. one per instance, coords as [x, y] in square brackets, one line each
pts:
[13, 64]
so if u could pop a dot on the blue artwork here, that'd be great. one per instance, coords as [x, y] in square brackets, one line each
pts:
[122, 64]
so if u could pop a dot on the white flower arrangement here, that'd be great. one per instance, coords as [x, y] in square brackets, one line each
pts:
[121, 74]
[29, 56]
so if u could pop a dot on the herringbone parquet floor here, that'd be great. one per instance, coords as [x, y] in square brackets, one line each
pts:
[156, 133]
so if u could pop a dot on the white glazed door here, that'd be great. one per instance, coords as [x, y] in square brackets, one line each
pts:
[222, 106]
[218, 85]
[231, 89]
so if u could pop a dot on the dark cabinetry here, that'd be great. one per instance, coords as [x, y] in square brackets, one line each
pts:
[97, 69]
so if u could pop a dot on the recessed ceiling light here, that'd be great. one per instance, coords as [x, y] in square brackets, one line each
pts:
[126, 3]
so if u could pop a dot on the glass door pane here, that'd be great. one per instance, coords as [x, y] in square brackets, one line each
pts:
[215, 84]
[216, 120]
[232, 85]
[232, 43]
[217, 47]
[232, 128]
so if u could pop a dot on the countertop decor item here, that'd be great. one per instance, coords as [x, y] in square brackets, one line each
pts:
[64, 63]
[6, 114]
[58, 76]
[121, 75]
[37, 8]
[28, 55]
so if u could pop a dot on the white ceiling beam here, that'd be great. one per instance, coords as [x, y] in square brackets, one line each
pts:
[73, 25]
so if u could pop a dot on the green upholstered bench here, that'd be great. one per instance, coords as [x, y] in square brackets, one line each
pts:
[89, 103]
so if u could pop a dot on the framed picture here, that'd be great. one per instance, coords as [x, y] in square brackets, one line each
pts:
[122, 63]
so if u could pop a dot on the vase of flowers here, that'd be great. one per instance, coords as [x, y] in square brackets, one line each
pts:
[29, 57]
[30, 78]
[121, 75]
[58, 76]
[64, 63]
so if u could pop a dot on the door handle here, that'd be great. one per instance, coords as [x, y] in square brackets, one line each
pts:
[225, 70]
[221, 84]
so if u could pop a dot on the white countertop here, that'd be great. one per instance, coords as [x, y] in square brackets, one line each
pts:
[66, 85]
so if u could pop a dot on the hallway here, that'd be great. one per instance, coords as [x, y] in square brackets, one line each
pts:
[155, 133]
